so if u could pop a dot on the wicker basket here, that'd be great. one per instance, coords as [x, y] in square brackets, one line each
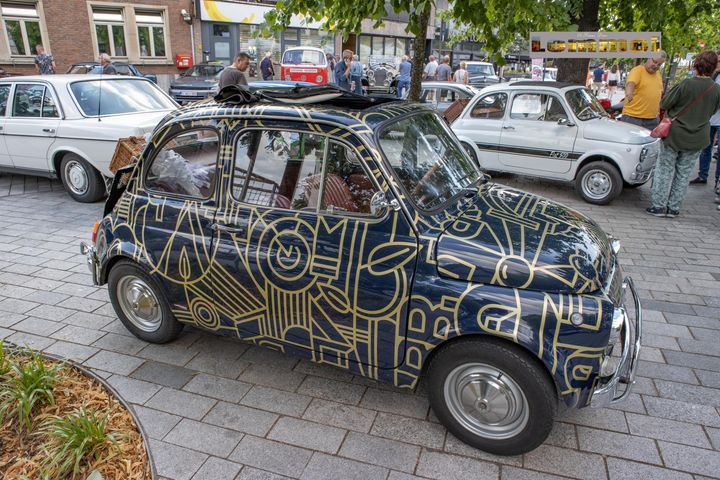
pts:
[453, 111]
[126, 152]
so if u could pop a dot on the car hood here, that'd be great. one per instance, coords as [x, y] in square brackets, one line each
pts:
[510, 238]
[115, 126]
[194, 82]
[608, 130]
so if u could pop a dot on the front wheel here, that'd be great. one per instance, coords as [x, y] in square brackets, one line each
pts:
[492, 396]
[82, 182]
[598, 183]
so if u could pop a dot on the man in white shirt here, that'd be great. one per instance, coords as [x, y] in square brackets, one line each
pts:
[430, 71]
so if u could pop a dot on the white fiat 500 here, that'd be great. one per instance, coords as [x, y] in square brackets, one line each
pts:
[559, 131]
[67, 126]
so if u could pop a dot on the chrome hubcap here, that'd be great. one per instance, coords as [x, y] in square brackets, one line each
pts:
[139, 303]
[76, 177]
[486, 401]
[597, 184]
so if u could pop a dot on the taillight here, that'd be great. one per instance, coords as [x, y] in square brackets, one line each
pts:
[94, 232]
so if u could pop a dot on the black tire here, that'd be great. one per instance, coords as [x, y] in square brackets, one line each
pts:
[80, 179]
[598, 183]
[518, 369]
[168, 328]
[471, 152]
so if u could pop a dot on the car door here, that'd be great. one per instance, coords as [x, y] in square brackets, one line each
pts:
[482, 124]
[537, 135]
[31, 127]
[5, 160]
[303, 264]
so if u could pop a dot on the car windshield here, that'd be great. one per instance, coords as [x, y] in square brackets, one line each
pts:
[303, 57]
[584, 104]
[426, 160]
[479, 69]
[119, 96]
[203, 71]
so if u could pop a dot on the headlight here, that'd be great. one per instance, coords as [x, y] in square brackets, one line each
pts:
[318, 78]
[287, 77]
[101, 244]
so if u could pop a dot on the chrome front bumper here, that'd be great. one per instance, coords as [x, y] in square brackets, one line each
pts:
[606, 393]
[92, 261]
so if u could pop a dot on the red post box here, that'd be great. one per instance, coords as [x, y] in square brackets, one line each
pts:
[183, 60]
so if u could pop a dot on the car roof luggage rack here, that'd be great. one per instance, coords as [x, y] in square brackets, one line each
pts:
[301, 95]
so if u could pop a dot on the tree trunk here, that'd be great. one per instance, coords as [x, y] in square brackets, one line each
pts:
[574, 70]
[419, 56]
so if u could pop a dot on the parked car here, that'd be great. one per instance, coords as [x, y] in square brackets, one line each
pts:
[356, 232]
[481, 74]
[440, 95]
[304, 64]
[122, 68]
[560, 131]
[197, 83]
[380, 77]
[67, 126]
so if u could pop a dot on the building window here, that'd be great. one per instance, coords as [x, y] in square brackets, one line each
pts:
[110, 32]
[151, 33]
[22, 24]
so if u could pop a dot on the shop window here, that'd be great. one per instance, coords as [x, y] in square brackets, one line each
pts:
[22, 24]
[365, 47]
[151, 33]
[110, 31]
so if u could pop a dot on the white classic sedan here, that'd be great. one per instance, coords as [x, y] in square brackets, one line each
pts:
[556, 130]
[67, 126]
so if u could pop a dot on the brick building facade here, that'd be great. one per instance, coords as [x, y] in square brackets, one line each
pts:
[147, 33]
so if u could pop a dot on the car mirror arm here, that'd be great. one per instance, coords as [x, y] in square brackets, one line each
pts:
[379, 203]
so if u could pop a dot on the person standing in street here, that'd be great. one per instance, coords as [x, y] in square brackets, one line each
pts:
[643, 90]
[44, 64]
[356, 72]
[430, 72]
[234, 74]
[404, 71]
[266, 67]
[706, 155]
[690, 104]
[342, 70]
[444, 71]
[612, 78]
[331, 67]
[107, 66]
[461, 75]
[597, 80]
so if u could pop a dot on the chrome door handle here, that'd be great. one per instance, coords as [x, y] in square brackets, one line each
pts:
[508, 127]
[49, 130]
[219, 227]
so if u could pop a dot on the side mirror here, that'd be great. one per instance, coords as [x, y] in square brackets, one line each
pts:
[379, 203]
[566, 122]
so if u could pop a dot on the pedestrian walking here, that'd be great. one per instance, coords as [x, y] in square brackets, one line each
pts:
[234, 74]
[44, 63]
[266, 67]
[690, 104]
[356, 72]
[430, 72]
[342, 70]
[107, 66]
[404, 71]
[597, 79]
[612, 78]
[643, 90]
[444, 71]
[331, 67]
[706, 155]
[461, 74]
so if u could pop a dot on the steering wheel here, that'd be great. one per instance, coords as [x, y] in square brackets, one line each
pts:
[583, 111]
[425, 178]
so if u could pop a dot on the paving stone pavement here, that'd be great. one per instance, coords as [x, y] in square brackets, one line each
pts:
[217, 408]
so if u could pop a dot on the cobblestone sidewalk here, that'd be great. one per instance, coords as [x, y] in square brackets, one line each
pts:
[221, 409]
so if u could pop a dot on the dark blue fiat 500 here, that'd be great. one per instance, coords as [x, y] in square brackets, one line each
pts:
[357, 233]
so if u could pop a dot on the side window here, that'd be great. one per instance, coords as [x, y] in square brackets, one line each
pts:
[555, 110]
[348, 187]
[280, 169]
[122, 69]
[528, 106]
[4, 94]
[490, 107]
[34, 101]
[185, 165]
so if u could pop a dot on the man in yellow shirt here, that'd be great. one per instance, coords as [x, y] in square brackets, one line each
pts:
[643, 90]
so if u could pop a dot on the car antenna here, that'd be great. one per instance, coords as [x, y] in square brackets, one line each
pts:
[100, 93]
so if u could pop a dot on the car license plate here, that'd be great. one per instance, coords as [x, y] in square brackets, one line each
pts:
[190, 93]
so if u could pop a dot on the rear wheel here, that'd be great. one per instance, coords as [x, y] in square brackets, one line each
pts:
[492, 396]
[141, 305]
[81, 180]
[598, 183]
